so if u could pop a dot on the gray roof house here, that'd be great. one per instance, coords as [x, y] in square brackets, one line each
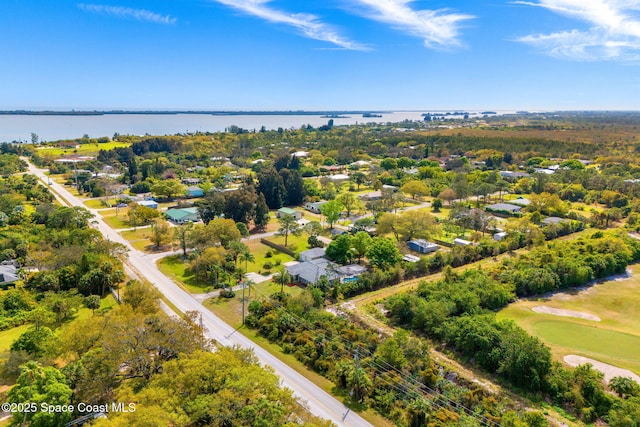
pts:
[8, 274]
[520, 201]
[311, 254]
[550, 220]
[310, 272]
[504, 207]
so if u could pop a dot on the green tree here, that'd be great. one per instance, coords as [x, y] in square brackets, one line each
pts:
[261, 213]
[40, 385]
[415, 188]
[624, 387]
[161, 234]
[383, 253]
[359, 178]
[331, 211]
[141, 215]
[168, 188]
[288, 225]
[283, 277]
[350, 202]
[360, 243]
[93, 303]
[182, 234]
[340, 250]
[34, 341]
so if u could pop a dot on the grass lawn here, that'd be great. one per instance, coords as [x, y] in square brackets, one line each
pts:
[294, 243]
[98, 203]
[259, 252]
[10, 335]
[177, 269]
[230, 309]
[84, 149]
[139, 238]
[614, 340]
[113, 221]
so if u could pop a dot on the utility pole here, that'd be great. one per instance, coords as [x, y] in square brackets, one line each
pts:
[357, 361]
[242, 284]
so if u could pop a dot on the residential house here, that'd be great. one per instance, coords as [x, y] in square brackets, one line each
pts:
[8, 274]
[520, 201]
[191, 181]
[311, 254]
[310, 272]
[288, 211]
[422, 246]
[504, 208]
[511, 175]
[551, 220]
[183, 215]
[314, 206]
[194, 191]
[371, 196]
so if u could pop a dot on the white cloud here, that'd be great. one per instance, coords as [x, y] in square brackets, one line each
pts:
[126, 12]
[309, 25]
[612, 33]
[438, 28]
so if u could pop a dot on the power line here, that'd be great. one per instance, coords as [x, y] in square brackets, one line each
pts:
[440, 399]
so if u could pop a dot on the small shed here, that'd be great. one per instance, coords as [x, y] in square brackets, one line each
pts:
[288, 211]
[461, 242]
[422, 246]
[499, 236]
[195, 191]
[148, 203]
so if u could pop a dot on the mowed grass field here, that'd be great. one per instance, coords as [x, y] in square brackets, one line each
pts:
[83, 149]
[614, 340]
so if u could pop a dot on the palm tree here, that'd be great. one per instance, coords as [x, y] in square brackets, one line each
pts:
[246, 256]
[282, 277]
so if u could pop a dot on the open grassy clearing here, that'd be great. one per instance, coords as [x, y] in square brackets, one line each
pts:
[259, 252]
[178, 270]
[230, 309]
[99, 203]
[116, 220]
[8, 336]
[614, 340]
[294, 243]
[82, 149]
[138, 238]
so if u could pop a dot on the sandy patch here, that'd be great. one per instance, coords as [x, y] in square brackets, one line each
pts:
[564, 313]
[609, 371]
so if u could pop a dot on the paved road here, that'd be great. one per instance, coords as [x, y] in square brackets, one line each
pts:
[310, 395]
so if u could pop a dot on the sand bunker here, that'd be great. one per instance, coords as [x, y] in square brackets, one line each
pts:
[564, 313]
[609, 371]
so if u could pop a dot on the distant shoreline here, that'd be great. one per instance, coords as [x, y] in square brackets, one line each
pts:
[175, 112]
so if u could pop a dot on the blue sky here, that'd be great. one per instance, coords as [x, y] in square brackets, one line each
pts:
[320, 54]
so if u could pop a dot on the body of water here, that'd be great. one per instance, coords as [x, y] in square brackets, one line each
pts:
[53, 128]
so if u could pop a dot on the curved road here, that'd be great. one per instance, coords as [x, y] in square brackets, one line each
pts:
[316, 400]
